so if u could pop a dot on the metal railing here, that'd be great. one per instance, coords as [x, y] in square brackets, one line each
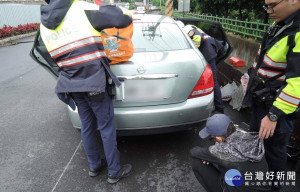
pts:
[246, 28]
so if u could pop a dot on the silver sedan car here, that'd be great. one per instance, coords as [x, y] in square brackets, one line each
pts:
[166, 86]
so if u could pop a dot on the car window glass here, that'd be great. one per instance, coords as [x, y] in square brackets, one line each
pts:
[158, 37]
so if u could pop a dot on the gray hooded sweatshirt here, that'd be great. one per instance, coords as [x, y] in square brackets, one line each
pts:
[241, 151]
[239, 147]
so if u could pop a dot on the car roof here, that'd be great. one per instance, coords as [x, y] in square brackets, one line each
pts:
[154, 18]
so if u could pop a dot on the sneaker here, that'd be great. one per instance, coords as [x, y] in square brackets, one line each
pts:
[123, 172]
[95, 172]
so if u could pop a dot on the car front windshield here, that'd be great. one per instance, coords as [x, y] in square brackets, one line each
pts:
[152, 37]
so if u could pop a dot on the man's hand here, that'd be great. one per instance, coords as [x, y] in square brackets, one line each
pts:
[267, 128]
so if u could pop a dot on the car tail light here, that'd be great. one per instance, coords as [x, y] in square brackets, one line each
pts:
[205, 85]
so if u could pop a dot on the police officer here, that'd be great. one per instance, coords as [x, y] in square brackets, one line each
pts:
[273, 89]
[70, 30]
[209, 47]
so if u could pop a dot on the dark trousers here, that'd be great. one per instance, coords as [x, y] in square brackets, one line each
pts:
[219, 106]
[99, 115]
[207, 175]
[275, 146]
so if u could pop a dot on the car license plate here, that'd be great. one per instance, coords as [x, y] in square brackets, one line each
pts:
[143, 90]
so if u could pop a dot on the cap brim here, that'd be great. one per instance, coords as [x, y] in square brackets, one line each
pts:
[203, 133]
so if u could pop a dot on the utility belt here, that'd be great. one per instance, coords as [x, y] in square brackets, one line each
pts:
[99, 96]
[263, 95]
[96, 96]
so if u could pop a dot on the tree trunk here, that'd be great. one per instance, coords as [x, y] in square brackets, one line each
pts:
[226, 8]
[240, 11]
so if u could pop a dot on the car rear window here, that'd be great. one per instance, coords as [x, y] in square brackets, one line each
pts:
[152, 37]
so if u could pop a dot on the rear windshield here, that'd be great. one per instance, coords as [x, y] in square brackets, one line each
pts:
[149, 37]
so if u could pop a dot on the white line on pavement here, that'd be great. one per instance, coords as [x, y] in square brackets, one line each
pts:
[66, 167]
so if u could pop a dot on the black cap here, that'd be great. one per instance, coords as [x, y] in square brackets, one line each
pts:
[47, 1]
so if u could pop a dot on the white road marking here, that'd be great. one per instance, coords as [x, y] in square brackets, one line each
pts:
[66, 167]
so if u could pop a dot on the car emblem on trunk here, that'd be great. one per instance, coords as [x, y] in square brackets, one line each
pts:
[141, 70]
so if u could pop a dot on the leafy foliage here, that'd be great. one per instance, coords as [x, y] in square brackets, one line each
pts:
[8, 31]
[163, 2]
[242, 9]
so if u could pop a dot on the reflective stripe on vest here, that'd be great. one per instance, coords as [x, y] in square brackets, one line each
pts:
[274, 61]
[273, 64]
[269, 74]
[81, 59]
[289, 98]
[74, 45]
[73, 34]
[254, 65]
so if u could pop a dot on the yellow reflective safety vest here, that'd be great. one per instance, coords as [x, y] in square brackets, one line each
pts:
[289, 98]
[280, 63]
[74, 33]
[198, 34]
[197, 40]
[74, 43]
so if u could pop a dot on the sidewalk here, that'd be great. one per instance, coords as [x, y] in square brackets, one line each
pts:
[10, 40]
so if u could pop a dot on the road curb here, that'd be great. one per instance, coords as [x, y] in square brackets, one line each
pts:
[9, 40]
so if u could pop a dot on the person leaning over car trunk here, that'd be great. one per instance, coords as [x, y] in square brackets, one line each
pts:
[209, 47]
[234, 151]
[273, 88]
[70, 30]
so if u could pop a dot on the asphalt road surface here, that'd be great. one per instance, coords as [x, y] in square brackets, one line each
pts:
[41, 151]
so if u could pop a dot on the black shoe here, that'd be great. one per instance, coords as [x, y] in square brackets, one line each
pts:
[123, 172]
[95, 172]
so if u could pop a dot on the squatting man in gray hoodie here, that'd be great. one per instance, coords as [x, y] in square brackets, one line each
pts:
[233, 152]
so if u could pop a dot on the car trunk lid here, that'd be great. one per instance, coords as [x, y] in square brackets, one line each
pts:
[157, 78]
